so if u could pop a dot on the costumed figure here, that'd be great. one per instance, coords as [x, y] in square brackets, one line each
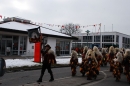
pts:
[104, 54]
[126, 64]
[116, 50]
[81, 50]
[73, 62]
[122, 52]
[91, 65]
[84, 52]
[111, 57]
[99, 57]
[48, 59]
[117, 66]
[82, 66]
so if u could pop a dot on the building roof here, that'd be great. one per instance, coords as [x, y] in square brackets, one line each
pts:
[17, 26]
[102, 33]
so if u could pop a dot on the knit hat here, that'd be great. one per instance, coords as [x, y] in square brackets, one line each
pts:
[47, 45]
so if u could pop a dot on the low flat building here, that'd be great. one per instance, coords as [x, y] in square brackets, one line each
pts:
[103, 39]
[14, 38]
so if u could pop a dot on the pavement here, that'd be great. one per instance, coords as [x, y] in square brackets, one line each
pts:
[68, 81]
[77, 80]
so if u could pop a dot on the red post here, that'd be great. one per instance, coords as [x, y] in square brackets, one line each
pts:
[37, 52]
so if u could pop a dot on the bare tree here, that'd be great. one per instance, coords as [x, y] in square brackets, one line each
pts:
[70, 29]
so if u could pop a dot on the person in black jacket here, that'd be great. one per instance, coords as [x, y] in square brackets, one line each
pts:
[48, 59]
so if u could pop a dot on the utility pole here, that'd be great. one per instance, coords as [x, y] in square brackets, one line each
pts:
[112, 35]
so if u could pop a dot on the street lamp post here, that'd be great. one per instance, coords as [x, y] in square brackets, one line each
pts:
[87, 35]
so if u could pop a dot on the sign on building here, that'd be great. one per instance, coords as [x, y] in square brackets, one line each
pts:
[34, 35]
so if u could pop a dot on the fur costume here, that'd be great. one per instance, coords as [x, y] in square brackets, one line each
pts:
[98, 56]
[111, 57]
[73, 62]
[92, 55]
[127, 53]
[123, 50]
[48, 59]
[85, 49]
[84, 52]
[117, 50]
[104, 54]
[50, 56]
[126, 64]
[111, 50]
[91, 65]
[119, 57]
[117, 66]
[74, 54]
[83, 64]
[82, 68]
[52, 59]
[104, 50]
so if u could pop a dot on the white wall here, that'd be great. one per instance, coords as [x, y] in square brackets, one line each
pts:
[29, 47]
[52, 42]
[120, 41]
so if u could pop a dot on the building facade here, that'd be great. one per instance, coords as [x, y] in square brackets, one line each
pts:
[103, 39]
[14, 38]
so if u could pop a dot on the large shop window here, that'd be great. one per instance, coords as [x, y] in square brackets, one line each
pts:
[15, 45]
[15, 42]
[108, 38]
[62, 47]
[23, 44]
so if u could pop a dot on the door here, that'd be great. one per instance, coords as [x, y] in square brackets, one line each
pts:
[8, 47]
[3, 43]
[6, 44]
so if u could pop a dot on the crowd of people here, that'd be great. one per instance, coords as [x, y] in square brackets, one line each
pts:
[93, 59]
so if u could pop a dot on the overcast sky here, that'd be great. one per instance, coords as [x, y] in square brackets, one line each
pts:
[82, 12]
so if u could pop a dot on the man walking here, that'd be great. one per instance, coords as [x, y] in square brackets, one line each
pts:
[48, 59]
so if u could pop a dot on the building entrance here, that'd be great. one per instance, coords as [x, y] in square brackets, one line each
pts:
[6, 47]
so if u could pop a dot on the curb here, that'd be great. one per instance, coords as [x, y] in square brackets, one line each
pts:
[27, 68]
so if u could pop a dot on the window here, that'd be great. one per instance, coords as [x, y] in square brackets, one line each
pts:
[96, 38]
[87, 38]
[122, 39]
[117, 38]
[23, 44]
[125, 40]
[15, 42]
[63, 47]
[108, 38]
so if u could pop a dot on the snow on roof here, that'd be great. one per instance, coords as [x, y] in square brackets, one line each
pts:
[24, 27]
[17, 26]
[52, 32]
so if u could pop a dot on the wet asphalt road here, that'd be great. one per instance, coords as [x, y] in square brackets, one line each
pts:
[24, 77]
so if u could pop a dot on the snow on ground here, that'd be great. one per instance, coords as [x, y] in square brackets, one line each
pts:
[29, 62]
